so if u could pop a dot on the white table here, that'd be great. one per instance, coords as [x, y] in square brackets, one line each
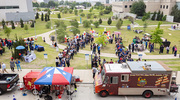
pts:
[30, 58]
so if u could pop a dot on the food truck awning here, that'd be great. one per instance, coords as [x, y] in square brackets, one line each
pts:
[54, 76]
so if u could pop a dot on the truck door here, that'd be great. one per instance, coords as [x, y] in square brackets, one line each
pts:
[113, 85]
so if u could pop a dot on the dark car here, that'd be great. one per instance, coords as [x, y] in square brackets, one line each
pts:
[8, 82]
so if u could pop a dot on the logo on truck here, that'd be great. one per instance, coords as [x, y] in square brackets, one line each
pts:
[141, 82]
[162, 80]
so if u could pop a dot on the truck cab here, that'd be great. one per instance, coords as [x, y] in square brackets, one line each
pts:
[136, 78]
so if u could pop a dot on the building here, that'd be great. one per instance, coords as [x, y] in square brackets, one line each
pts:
[34, 1]
[165, 6]
[46, 1]
[14, 10]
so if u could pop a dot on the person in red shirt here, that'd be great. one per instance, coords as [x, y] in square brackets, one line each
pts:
[111, 62]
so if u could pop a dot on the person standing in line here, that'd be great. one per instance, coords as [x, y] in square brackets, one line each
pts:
[94, 70]
[18, 64]
[0, 66]
[57, 61]
[63, 63]
[99, 48]
[175, 50]
[12, 65]
[67, 61]
[60, 55]
[4, 68]
[167, 48]
[133, 47]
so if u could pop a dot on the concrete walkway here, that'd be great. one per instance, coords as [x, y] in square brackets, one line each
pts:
[48, 41]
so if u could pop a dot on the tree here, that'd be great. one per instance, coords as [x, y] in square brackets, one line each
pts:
[42, 17]
[80, 11]
[76, 12]
[89, 16]
[90, 10]
[176, 13]
[101, 13]
[61, 33]
[74, 23]
[48, 25]
[7, 31]
[154, 16]
[101, 39]
[35, 4]
[46, 17]
[3, 23]
[96, 24]
[21, 22]
[109, 21]
[60, 23]
[156, 35]
[144, 18]
[86, 24]
[138, 8]
[42, 4]
[158, 15]
[70, 11]
[164, 18]
[75, 31]
[26, 28]
[100, 21]
[37, 16]
[131, 19]
[161, 16]
[119, 24]
[32, 24]
[82, 14]
[12, 25]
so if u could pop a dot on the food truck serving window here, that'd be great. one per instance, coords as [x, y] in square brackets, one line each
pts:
[114, 80]
[124, 77]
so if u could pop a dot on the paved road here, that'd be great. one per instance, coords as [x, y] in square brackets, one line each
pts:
[85, 91]
[48, 41]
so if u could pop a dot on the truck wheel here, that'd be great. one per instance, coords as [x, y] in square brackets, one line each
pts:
[103, 93]
[148, 94]
[35, 92]
[1, 92]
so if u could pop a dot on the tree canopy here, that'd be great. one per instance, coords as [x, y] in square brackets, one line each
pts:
[138, 8]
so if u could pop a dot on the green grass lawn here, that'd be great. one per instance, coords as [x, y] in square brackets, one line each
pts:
[39, 28]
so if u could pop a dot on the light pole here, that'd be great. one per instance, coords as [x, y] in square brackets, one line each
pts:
[55, 33]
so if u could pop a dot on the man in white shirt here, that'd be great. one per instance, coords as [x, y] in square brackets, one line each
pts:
[4, 67]
[60, 55]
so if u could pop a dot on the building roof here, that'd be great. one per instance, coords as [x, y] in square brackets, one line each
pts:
[148, 65]
[119, 68]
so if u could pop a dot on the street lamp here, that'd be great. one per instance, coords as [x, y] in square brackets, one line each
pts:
[55, 33]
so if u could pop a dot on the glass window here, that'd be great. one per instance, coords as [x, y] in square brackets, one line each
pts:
[9, 7]
[129, 6]
[125, 6]
[2, 7]
[163, 6]
[114, 80]
[166, 6]
[124, 78]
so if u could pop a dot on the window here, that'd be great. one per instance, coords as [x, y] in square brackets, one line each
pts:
[9, 7]
[125, 6]
[124, 78]
[163, 6]
[166, 6]
[114, 80]
[129, 6]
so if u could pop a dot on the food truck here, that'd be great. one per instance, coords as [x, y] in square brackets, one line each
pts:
[136, 78]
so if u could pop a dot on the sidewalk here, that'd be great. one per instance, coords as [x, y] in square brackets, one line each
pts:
[48, 41]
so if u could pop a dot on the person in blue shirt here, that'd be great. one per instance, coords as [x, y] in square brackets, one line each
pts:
[18, 64]
[99, 49]
[36, 47]
[63, 63]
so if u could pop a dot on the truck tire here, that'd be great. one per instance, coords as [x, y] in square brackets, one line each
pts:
[1, 91]
[103, 93]
[35, 92]
[147, 94]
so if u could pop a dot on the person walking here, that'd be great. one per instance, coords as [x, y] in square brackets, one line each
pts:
[175, 50]
[18, 64]
[4, 68]
[67, 61]
[12, 65]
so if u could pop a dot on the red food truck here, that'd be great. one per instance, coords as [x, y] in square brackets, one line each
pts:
[136, 78]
